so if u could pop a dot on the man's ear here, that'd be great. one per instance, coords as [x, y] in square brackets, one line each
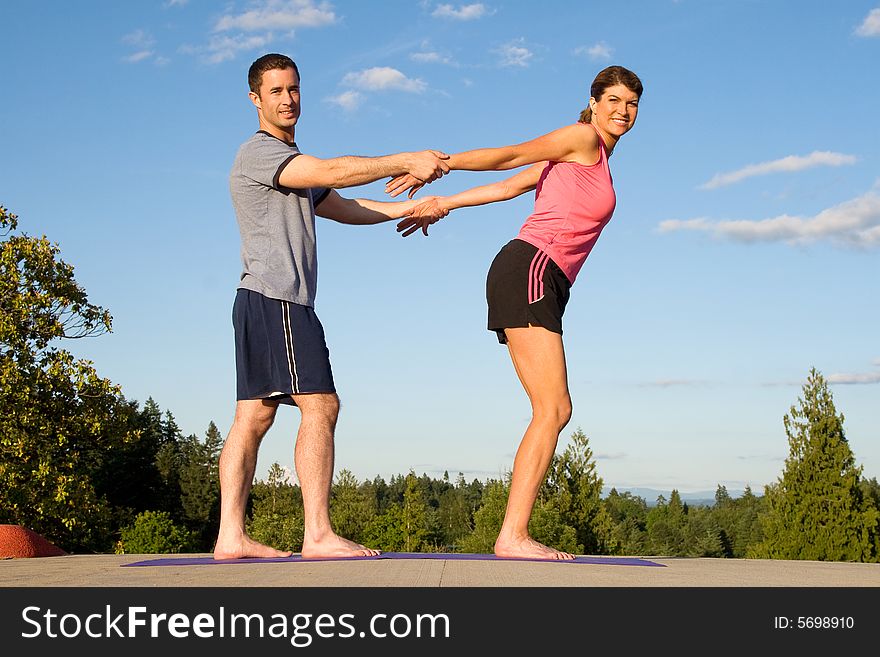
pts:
[255, 99]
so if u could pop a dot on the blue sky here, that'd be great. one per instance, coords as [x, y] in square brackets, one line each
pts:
[743, 250]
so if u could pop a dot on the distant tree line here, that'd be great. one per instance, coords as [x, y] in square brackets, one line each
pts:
[93, 471]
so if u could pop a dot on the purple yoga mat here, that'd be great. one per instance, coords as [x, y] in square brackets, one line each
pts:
[209, 561]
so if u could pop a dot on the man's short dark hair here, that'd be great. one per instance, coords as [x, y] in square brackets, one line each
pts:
[268, 63]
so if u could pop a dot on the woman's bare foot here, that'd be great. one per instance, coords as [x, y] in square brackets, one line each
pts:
[243, 547]
[332, 545]
[527, 548]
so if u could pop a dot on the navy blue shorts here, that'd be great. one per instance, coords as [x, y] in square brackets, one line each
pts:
[280, 349]
[525, 287]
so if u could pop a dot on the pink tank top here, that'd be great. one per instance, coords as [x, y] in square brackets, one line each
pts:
[573, 203]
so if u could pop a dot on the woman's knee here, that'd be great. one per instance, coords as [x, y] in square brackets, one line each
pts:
[556, 413]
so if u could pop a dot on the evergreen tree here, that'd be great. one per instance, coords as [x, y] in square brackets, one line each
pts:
[200, 484]
[737, 520]
[575, 488]
[817, 509]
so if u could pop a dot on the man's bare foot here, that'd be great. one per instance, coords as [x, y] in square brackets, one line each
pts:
[335, 546]
[243, 547]
[528, 548]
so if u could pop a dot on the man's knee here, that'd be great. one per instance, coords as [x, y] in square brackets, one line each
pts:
[319, 407]
[255, 416]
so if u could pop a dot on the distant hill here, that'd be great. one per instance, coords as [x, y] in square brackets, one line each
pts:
[650, 495]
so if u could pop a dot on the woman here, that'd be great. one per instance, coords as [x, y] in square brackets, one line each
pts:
[528, 283]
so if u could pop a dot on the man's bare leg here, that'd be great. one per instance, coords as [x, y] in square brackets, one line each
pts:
[238, 462]
[539, 360]
[314, 458]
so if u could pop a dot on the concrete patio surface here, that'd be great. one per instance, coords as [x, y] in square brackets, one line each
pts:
[108, 571]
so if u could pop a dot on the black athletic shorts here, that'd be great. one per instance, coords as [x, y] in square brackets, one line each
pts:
[525, 287]
[280, 349]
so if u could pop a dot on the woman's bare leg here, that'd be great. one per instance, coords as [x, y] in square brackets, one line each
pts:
[539, 359]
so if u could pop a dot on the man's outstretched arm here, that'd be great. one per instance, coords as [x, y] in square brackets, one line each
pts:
[305, 171]
[362, 211]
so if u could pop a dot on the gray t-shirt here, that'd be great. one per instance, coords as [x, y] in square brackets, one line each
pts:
[277, 224]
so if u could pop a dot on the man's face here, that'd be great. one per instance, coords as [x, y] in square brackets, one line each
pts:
[278, 102]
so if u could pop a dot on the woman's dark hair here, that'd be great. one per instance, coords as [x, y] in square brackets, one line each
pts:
[609, 77]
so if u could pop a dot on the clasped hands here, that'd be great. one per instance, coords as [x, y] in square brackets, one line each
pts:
[427, 167]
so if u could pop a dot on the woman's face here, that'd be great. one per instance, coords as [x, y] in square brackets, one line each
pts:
[615, 112]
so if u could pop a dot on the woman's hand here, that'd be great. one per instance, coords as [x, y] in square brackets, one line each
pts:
[428, 212]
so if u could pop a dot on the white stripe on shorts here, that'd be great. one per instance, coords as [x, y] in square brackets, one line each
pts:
[288, 343]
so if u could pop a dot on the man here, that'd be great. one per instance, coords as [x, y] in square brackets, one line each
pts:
[280, 352]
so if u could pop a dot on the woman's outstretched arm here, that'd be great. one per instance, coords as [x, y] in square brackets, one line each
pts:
[430, 211]
[569, 143]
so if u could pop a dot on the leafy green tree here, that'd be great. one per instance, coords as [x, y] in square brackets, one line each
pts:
[281, 531]
[629, 515]
[548, 527]
[154, 532]
[276, 516]
[386, 531]
[817, 509]
[454, 517]
[60, 419]
[487, 519]
[415, 516]
[665, 526]
[351, 507]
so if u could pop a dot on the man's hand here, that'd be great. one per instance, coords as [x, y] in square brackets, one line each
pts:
[428, 212]
[427, 166]
[422, 167]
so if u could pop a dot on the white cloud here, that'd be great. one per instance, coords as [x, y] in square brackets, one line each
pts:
[139, 39]
[222, 48]
[854, 223]
[463, 13]
[790, 163]
[870, 27]
[600, 50]
[672, 383]
[139, 56]
[383, 77]
[143, 42]
[430, 58]
[514, 55]
[176, 3]
[347, 100]
[279, 15]
[854, 379]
